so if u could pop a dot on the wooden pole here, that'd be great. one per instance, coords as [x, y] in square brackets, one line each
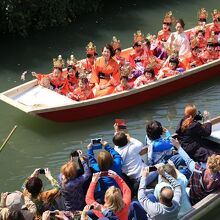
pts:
[6, 140]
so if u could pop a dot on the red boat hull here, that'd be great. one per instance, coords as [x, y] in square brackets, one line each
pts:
[98, 109]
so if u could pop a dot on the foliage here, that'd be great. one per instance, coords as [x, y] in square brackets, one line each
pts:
[22, 16]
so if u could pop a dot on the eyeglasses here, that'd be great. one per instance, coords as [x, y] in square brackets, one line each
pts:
[167, 23]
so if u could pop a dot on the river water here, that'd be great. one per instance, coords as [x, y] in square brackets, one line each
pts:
[38, 142]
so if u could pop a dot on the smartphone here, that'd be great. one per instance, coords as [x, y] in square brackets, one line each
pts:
[91, 207]
[74, 153]
[53, 213]
[175, 136]
[152, 168]
[104, 173]
[96, 143]
[41, 171]
[121, 123]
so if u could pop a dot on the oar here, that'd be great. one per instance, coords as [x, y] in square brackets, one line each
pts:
[6, 140]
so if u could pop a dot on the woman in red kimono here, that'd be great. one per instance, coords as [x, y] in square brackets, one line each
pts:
[83, 92]
[137, 55]
[124, 80]
[163, 35]
[56, 79]
[202, 18]
[210, 53]
[72, 76]
[105, 73]
[215, 27]
[193, 59]
[90, 58]
[170, 70]
[148, 77]
[117, 48]
[201, 40]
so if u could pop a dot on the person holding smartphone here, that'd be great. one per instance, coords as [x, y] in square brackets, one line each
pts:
[33, 189]
[71, 185]
[107, 159]
[116, 200]
[130, 150]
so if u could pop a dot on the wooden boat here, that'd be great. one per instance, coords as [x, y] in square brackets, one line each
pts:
[211, 201]
[34, 99]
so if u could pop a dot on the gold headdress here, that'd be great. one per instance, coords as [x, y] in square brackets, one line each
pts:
[138, 37]
[202, 14]
[58, 62]
[213, 39]
[115, 43]
[91, 48]
[194, 43]
[81, 70]
[215, 14]
[173, 51]
[72, 61]
[126, 70]
[168, 18]
[152, 62]
[199, 28]
[151, 37]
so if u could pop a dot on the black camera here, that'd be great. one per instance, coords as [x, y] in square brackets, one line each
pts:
[41, 171]
[199, 116]
[74, 153]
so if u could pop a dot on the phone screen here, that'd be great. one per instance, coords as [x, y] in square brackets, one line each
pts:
[96, 141]
[104, 173]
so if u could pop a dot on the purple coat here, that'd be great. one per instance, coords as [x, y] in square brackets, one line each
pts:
[72, 191]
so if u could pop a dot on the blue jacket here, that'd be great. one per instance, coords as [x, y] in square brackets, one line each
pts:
[105, 182]
[158, 149]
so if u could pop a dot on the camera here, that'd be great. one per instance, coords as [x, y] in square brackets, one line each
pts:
[104, 173]
[96, 143]
[74, 153]
[199, 116]
[53, 215]
[41, 171]
[152, 168]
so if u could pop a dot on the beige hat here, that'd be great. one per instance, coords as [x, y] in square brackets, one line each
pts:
[15, 201]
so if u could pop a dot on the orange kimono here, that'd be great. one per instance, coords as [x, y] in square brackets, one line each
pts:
[82, 94]
[135, 58]
[87, 65]
[120, 60]
[121, 88]
[166, 72]
[202, 44]
[142, 80]
[70, 84]
[210, 29]
[56, 83]
[163, 36]
[192, 61]
[208, 56]
[103, 73]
